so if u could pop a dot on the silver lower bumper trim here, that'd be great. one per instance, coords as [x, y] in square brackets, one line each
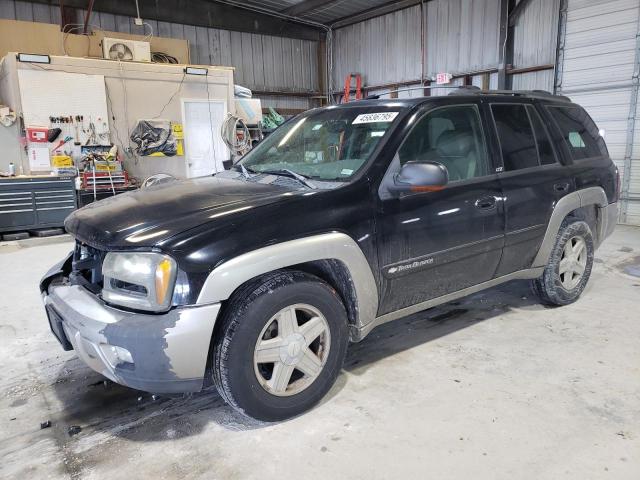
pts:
[158, 353]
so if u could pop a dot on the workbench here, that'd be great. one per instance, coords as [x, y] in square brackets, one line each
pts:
[33, 202]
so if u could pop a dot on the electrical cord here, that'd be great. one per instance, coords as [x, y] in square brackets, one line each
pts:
[150, 34]
[147, 37]
[65, 36]
[161, 57]
[213, 144]
[115, 128]
[77, 26]
[184, 74]
[124, 90]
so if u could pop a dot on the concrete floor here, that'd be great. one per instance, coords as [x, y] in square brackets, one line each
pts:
[494, 386]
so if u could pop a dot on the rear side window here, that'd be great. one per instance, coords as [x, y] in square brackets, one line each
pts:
[579, 132]
[545, 150]
[515, 133]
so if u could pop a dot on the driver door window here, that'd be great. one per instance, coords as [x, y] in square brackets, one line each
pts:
[451, 136]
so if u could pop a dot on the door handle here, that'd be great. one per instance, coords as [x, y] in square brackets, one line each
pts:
[486, 203]
[561, 187]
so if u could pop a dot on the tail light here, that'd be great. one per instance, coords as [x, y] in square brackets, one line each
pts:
[617, 193]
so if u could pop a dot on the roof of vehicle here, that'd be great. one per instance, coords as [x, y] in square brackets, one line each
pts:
[473, 92]
[537, 94]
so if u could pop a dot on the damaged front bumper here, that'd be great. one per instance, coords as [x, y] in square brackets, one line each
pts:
[156, 353]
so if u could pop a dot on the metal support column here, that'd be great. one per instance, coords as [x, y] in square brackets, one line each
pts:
[562, 35]
[504, 29]
[631, 126]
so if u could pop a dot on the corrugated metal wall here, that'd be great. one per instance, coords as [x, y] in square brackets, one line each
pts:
[600, 71]
[535, 43]
[461, 36]
[383, 49]
[262, 62]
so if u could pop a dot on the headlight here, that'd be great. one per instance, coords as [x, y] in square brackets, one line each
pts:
[141, 280]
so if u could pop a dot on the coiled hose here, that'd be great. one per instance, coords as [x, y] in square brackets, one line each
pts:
[230, 127]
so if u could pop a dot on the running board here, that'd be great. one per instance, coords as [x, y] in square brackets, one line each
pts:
[434, 302]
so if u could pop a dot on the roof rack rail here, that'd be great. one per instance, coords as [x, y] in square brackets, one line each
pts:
[471, 88]
[408, 89]
[474, 90]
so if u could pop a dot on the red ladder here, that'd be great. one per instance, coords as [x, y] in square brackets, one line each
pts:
[347, 87]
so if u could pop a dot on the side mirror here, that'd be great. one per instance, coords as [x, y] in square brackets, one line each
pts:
[416, 177]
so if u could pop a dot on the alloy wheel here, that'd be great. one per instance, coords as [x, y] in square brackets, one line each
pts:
[573, 262]
[292, 349]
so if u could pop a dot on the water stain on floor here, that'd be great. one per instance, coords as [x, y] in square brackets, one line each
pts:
[631, 266]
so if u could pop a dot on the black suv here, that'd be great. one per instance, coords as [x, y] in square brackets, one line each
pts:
[255, 279]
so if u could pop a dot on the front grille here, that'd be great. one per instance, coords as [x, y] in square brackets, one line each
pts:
[86, 268]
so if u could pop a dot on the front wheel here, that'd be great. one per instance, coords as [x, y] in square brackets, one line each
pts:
[569, 266]
[282, 343]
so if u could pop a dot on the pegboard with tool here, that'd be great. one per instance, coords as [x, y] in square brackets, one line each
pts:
[58, 146]
[71, 107]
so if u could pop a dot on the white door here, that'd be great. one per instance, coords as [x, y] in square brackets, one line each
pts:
[204, 149]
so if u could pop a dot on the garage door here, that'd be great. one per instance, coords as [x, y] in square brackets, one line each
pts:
[598, 68]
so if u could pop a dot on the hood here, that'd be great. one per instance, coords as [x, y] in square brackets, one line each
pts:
[147, 217]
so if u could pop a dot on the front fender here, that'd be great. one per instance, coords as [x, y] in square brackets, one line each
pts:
[227, 277]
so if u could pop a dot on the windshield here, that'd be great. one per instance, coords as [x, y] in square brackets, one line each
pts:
[330, 144]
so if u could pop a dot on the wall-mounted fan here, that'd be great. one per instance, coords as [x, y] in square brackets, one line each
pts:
[119, 51]
[126, 50]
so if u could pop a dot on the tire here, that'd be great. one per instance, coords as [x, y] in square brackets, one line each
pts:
[567, 274]
[258, 324]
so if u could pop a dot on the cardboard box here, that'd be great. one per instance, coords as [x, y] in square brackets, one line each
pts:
[249, 110]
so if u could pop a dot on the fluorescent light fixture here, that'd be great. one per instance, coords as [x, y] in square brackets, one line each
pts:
[33, 58]
[196, 71]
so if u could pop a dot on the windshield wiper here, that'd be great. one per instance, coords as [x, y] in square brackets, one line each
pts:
[290, 173]
[244, 170]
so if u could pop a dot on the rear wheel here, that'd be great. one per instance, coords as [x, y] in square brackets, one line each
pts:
[282, 343]
[569, 266]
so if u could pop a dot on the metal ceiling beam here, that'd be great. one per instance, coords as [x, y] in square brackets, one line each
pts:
[307, 6]
[517, 11]
[201, 13]
[87, 16]
[374, 12]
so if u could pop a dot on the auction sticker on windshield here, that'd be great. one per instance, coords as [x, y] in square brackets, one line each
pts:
[375, 117]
